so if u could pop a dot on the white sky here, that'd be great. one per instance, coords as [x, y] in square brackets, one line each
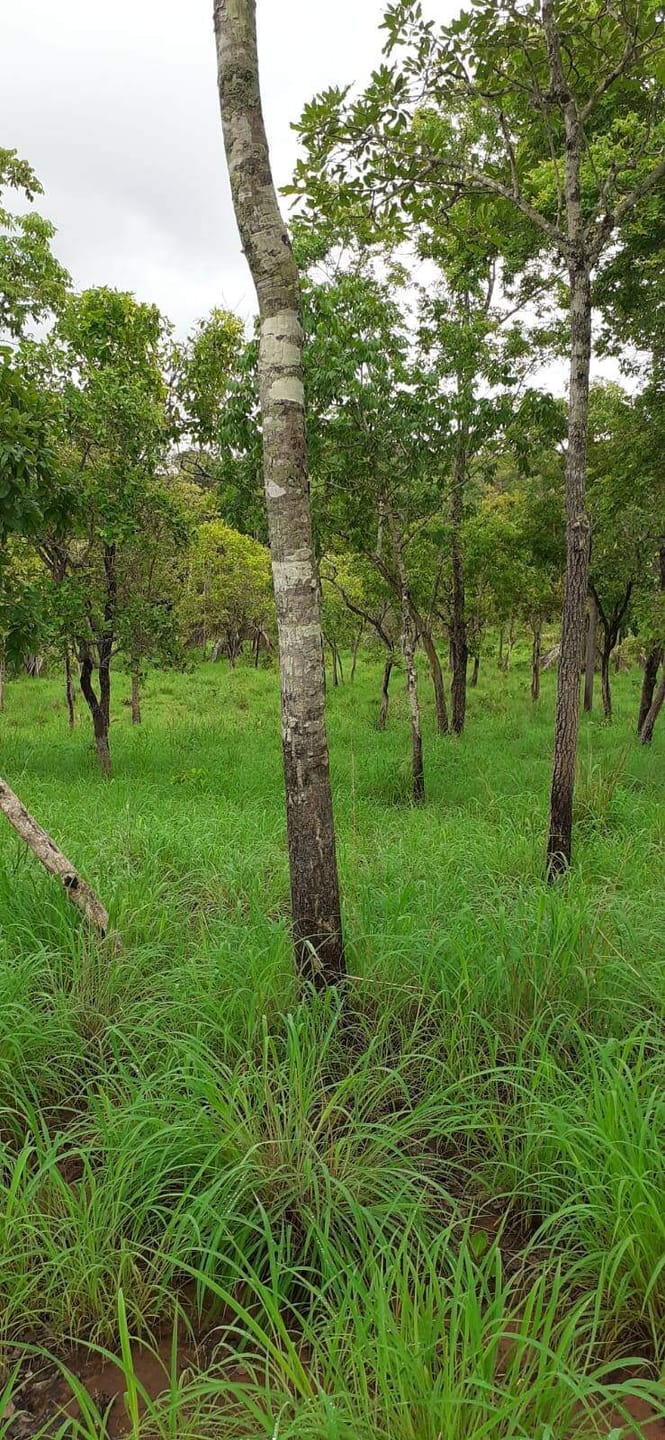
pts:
[114, 103]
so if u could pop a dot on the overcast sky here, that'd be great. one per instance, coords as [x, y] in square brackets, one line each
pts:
[115, 105]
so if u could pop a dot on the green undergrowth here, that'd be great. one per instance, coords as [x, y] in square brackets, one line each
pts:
[432, 1206]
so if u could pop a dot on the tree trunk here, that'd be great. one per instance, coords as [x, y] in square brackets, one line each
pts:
[69, 689]
[335, 676]
[474, 673]
[383, 712]
[458, 644]
[606, 655]
[590, 653]
[509, 651]
[437, 681]
[310, 827]
[136, 695]
[409, 653]
[655, 708]
[499, 658]
[649, 678]
[356, 647]
[53, 860]
[566, 725]
[257, 649]
[535, 665]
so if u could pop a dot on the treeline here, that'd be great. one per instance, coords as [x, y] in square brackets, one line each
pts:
[491, 206]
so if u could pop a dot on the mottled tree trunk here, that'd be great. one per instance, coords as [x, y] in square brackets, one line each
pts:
[566, 724]
[649, 678]
[474, 672]
[646, 735]
[590, 653]
[535, 664]
[385, 684]
[409, 653]
[69, 689]
[458, 643]
[136, 695]
[311, 836]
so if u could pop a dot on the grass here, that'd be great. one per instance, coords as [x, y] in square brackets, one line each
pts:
[437, 1210]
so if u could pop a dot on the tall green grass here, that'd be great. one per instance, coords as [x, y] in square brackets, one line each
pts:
[432, 1207]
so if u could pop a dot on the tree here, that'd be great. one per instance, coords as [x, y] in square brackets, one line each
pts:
[551, 116]
[311, 835]
[105, 364]
[226, 595]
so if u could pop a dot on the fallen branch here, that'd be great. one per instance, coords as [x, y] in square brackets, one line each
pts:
[53, 860]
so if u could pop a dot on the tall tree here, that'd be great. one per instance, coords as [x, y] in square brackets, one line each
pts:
[310, 825]
[551, 115]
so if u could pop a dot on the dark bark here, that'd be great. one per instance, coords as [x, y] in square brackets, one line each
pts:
[649, 678]
[655, 708]
[100, 705]
[578, 532]
[136, 695]
[315, 902]
[474, 673]
[385, 683]
[535, 664]
[458, 641]
[69, 689]
[590, 654]
[335, 676]
[610, 622]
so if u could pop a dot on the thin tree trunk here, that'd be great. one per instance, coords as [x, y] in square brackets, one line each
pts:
[409, 653]
[437, 681]
[385, 683]
[136, 695]
[649, 678]
[606, 655]
[535, 665]
[356, 647]
[257, 649]
[335, 676]
[340, 667]
[69, 689]
[315, 899]
[499, 658]
[474, 673]
[566, 725]
[655, 708]
[47, 852]
[590, 653]
[458, 643]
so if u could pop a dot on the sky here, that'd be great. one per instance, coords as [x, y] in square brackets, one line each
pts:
[115, 106]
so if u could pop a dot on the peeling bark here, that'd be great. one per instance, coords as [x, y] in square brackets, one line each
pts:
[53, 860]
[311, 837]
